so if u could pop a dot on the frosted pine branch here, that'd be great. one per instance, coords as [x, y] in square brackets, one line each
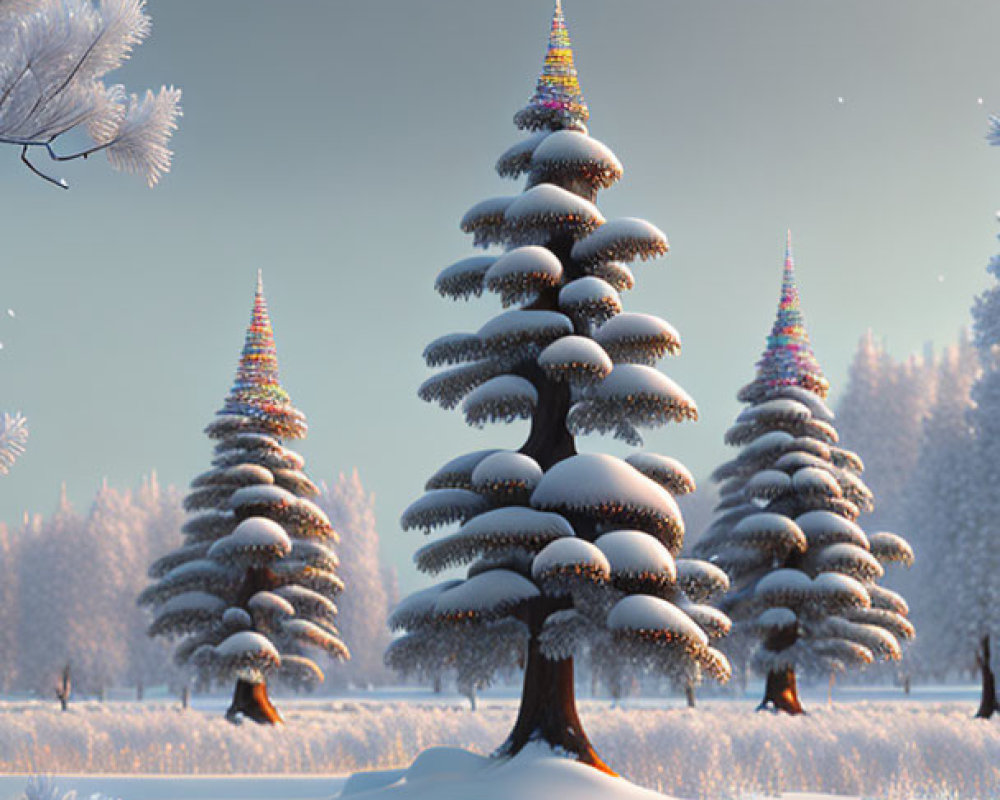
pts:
[55, 54]
[13, 436]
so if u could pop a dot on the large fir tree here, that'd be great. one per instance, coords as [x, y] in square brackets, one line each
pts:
[803, 572]
[252, 588]
[565, 551]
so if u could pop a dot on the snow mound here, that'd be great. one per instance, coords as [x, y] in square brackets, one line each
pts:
[536, 773]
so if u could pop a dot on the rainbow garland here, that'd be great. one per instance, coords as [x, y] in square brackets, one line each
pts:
[557, 101]
[788, 359]
[257, 390]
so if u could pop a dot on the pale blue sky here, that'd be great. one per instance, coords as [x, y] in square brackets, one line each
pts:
[336, 145]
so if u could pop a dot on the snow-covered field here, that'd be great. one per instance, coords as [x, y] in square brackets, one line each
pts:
[872, 748]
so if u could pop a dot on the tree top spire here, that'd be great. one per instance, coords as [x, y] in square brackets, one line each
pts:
[257, 389]
[788, 359]
[558, 101]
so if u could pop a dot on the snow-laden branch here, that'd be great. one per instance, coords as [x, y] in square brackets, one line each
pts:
[54, 55]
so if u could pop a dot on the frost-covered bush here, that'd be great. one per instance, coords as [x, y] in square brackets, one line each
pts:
[886, 749]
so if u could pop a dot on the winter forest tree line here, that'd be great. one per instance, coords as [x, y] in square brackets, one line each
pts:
[53, 612]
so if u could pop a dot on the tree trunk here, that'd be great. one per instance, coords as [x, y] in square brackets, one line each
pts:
[781, 692]
[689, 694]
[251, 701]
[548, 711]
[988, 701]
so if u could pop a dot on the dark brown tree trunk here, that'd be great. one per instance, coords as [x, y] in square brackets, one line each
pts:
[548, 699]
[689, 695]
[251, 701]
[548, 711]
[988, 701]
[781, 692]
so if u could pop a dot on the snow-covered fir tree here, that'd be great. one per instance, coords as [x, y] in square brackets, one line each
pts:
[56, 54]
[566, 551]
[364, 609]
[251, 590]
[804, 574]
[977, 598]
[936, 511]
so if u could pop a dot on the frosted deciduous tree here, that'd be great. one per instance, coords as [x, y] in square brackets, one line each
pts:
[880, 415]
[251, 590]
[804, 574]
[13, 436]
[54, 56]
[9, 608]
[566, 551]
[364, 608]
[47, 560]
[936, 511]
[978, 592]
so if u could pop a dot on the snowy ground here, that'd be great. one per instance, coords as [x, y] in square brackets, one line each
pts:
[881, 748]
